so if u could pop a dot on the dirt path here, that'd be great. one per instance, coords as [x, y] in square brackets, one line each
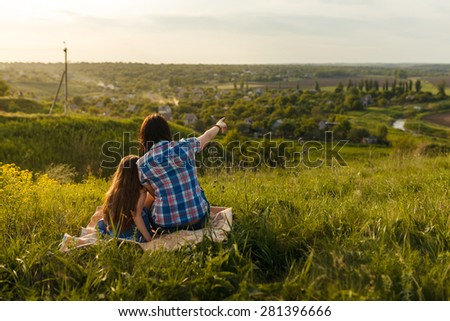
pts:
[440, 119]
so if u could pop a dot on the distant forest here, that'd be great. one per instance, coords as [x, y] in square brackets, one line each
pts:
[138, 76]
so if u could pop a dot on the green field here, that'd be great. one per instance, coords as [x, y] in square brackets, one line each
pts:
[375, 230]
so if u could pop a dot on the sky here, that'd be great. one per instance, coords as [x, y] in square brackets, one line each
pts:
[226, 31]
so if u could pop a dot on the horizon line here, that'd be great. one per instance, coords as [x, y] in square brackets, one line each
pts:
[229, 64]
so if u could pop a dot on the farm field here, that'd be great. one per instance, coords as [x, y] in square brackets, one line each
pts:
[440, 119]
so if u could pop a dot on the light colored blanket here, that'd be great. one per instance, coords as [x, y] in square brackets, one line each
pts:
[219, 225]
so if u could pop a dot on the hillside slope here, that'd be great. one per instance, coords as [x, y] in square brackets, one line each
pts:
[92, 145]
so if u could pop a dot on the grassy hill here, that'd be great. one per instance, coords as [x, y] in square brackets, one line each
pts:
[375, 230]
[27, 106]
[91, 145]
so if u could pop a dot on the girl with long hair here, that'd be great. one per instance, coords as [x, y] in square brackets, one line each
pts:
[125, 209]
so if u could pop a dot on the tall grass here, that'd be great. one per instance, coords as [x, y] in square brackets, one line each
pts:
[375, 230]
[36, 141]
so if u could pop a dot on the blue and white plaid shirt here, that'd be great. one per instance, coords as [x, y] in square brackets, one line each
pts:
[169, 168]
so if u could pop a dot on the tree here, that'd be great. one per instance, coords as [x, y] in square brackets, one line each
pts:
[441, 88]
[354, 91]
[394, 87]
[317, 86]
[341, 131]
[382, 101]
[339, 88]
[356, 135]
[78, 100]
[367, 85]
[418, 85]
[400, 73]
[350, 84]
[382, 132]
[3, 88]
[286, 129]
[232, 145]
[361, 85]
[200, 125]
[317, 112]
[376, 85]
[353, 102]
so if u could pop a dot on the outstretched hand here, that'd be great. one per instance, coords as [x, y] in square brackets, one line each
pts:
[222, 125]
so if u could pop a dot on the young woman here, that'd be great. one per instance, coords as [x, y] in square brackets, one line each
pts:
[125, 210]
[167, 171]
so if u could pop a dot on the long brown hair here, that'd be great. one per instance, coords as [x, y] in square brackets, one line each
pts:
[122, 197]
[154, 129]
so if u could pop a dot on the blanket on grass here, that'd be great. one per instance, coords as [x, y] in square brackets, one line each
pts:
[217, 229]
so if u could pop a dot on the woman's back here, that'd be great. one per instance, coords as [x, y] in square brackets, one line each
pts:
[169, 168]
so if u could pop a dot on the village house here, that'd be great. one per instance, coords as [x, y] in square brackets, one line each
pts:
[326, 125]
[180, 92]
[259, 91]
[165, 111]
[248, 121]
[370, 140]
[190, 119]
[132, 108]
[197, 94]
[277, 124]
[366, 100]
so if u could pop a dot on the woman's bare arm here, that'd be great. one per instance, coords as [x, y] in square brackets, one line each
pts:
[209, 135]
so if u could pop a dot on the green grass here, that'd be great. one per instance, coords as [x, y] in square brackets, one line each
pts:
[35, 141]
[428, 129]
[375, 230]
[427, 86]
[22, 105]
[48, 88]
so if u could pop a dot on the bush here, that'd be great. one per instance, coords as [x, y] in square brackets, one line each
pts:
[404, 145]
[434, 150]
[356, 135]
[4, 88]
[62, 173]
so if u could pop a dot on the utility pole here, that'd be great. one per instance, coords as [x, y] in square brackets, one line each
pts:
[63, 78]
[66, 104]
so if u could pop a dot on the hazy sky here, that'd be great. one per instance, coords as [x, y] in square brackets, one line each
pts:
[226, 31]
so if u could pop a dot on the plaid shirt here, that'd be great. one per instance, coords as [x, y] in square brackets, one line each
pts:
[169, 168]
